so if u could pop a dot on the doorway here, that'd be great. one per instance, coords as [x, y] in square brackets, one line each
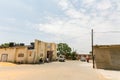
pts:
[4, 57]
[49, 55]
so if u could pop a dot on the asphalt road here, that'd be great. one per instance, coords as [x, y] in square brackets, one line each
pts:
[69, 70]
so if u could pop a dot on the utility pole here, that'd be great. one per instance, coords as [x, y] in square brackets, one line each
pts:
[92, 48]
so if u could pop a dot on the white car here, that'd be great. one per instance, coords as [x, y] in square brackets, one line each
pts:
[82, 58]
[61, 58]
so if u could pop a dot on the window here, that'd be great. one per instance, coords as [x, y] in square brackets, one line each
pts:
[20, 55]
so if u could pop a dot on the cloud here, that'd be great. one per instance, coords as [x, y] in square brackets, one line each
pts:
[99, 5]
[68, 31]
[91, 14]
[61, 27]
[104, 4]
[64, 4]
[70, 10]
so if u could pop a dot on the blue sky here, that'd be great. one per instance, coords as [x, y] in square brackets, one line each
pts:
[57, 21]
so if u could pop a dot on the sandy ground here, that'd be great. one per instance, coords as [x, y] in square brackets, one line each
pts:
[7, 64]
[69, 70]
[110, 74]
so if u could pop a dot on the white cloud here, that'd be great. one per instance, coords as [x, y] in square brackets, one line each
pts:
[104, 4]
[97, 15]
[64, 4]
[68, 31]
[61, 27]
[74, 14]
[70, 10]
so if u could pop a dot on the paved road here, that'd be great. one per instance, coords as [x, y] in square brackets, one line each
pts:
[69, 70]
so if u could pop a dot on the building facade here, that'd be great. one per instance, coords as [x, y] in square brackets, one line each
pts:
[107, 56]
[84, 55]
[33, 53]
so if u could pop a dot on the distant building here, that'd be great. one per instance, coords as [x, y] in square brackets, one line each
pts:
[79, 56]
[107, 56]
[33, 53]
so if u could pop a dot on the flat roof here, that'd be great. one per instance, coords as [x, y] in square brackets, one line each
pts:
[106, 46]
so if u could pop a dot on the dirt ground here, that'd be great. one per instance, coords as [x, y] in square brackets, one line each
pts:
[69, 70]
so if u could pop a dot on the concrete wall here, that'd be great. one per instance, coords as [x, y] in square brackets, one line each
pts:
[10, 54]
[17, 54]
[107, 57]
[52, 47]
[31, 56]
[21, 54]
[14, 54]
[40, 50]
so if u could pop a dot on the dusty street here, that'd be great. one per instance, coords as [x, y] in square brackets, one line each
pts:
[69, 70]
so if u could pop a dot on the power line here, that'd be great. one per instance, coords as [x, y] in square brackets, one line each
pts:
[108, 32]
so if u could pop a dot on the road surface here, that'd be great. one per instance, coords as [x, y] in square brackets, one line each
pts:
[69, 70]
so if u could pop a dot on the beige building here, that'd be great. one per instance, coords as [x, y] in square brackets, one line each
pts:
[84, 55]
[29, 54]
[107, 56]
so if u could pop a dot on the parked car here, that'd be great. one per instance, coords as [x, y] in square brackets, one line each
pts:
[83, 59]
[61, 58]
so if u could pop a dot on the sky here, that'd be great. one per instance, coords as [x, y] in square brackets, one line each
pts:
[61, 21]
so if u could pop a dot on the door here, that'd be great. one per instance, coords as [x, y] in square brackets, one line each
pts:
[4, 57]
[49, 55]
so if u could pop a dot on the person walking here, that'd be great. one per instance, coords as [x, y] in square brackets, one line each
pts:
[87, 59]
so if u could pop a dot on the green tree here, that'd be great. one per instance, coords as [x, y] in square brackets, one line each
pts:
[64, 49]
[5, 45]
